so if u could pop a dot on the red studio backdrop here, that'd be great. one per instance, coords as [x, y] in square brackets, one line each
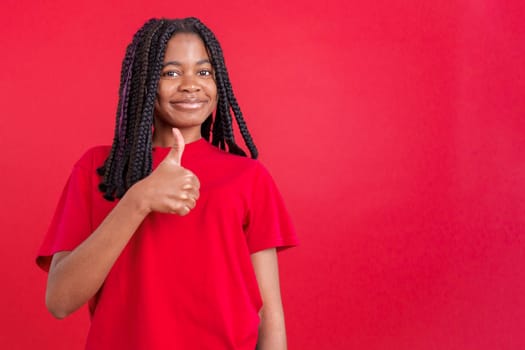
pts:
[394, 129]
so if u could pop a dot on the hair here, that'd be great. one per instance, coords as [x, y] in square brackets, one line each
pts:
[130, 159]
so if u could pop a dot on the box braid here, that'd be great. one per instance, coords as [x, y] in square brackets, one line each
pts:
[130, 159]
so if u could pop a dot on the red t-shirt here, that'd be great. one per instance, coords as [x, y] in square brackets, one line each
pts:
[181, 282]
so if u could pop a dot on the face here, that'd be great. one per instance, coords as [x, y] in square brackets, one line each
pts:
[187, 93]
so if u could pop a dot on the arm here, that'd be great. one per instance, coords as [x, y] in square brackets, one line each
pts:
[272, 331]
[75, 276]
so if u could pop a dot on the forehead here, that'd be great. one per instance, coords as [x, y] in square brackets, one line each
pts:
[185, 47]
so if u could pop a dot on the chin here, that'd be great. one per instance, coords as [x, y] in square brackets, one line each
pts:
[180, 123]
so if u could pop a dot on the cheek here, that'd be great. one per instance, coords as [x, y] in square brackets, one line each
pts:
[212, 91]
[214, 97]
[165, 90]
[160, 98]
[161, 94]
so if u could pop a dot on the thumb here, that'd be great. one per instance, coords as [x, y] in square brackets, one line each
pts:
[178, 148]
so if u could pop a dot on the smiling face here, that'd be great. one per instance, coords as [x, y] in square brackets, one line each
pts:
[187, 93]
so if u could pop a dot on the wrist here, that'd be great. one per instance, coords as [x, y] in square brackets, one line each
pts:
[136, 200]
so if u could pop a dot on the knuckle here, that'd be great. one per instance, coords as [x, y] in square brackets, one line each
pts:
[184, 211]
[177, 207]
[187, 186]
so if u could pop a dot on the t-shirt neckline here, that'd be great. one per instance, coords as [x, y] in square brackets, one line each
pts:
[191, 146]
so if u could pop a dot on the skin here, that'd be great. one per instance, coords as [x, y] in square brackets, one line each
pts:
[186, 96]
[187, 93]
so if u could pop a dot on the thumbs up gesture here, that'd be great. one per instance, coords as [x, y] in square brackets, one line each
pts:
[177, 149]
[170, 188]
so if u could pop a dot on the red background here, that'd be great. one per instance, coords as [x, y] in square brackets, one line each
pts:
[394, 129]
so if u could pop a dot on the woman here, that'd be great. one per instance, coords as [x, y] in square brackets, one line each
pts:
[171, 233]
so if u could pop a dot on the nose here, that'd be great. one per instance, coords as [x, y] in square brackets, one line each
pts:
[189, 84]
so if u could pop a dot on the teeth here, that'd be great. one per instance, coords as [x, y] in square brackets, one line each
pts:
[189, 105]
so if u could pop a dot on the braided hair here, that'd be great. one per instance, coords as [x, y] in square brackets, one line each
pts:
[130, 159]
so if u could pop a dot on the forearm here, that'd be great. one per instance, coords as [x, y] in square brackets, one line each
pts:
[76, 276]
[272, 331]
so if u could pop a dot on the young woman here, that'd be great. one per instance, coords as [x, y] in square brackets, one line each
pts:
[171, 233]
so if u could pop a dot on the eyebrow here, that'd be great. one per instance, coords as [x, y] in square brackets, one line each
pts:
[177, 63]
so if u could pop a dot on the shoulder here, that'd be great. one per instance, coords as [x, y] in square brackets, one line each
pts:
[215, 166]
[238, 164]
[93, 158]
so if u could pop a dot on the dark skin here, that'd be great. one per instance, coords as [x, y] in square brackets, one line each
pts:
[187, 93]
[186, 96]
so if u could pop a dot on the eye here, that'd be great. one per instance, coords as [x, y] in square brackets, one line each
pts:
[170, 74]
[205, 72]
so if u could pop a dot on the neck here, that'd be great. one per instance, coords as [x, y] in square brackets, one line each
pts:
[165, 138]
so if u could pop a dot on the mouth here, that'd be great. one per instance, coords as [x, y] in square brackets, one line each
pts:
[188, 104]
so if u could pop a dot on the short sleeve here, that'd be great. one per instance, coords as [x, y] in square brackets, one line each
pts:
[269, 224]
[71, 222]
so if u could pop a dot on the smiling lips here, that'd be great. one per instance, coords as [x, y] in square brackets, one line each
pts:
[189, 104]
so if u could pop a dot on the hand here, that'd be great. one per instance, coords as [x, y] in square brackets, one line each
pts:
[170, 188]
